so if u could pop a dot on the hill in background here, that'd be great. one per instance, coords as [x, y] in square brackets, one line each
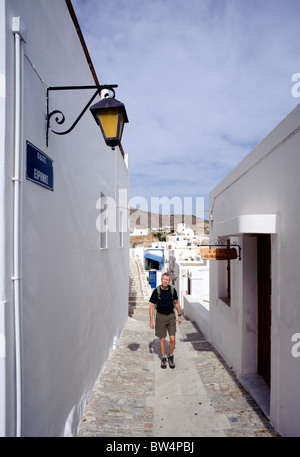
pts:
[142, 220]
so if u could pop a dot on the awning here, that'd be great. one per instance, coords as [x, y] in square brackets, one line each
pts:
[156, 257]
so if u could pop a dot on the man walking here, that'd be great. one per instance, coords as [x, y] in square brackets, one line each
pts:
[164, 301]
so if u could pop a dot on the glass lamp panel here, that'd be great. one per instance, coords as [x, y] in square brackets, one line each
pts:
[121, 126]
[109, 121]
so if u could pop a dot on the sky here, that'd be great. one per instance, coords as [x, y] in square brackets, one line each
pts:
[203, 82]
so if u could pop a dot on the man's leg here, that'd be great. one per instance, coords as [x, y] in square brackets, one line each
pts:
[162, 344]
[172, 332]
[172, 344]
[160, 330]
[171, 355]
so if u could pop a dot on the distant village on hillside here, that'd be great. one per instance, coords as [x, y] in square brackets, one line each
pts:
[147, 227]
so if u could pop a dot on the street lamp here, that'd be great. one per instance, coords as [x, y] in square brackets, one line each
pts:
[109, 113]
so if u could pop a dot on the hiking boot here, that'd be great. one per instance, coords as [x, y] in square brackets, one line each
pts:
[171, 361]
[163, 362]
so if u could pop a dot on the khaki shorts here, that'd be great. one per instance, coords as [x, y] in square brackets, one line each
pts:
[164, 322]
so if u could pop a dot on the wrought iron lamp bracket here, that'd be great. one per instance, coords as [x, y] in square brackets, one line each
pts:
[60, 118]
[222, 244]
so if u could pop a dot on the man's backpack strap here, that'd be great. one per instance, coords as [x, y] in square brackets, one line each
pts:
[158, 293]
[158, 298]
[172, 292]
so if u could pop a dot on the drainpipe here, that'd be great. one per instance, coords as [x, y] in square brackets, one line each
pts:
[16, 223]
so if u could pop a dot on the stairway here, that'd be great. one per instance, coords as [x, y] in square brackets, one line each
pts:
[139, 289]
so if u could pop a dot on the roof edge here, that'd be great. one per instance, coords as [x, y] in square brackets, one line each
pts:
[82, 41]
[85, 50]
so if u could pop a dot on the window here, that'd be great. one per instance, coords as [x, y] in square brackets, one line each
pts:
[107, 222]
[124, 217]
[102, 222]
[121, 228]
[224, 280]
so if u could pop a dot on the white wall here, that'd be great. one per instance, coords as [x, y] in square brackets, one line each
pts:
[261, 195]
[199, 279]
[7, 360]
[74, 299]
[197, 311]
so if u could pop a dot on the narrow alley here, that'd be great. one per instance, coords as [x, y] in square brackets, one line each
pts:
[201, 397]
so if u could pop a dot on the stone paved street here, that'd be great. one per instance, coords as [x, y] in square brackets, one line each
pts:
[134, 397]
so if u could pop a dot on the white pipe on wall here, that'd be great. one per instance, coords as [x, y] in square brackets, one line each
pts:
[16, 223]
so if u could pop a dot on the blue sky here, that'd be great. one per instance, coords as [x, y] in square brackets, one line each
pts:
[203, 82]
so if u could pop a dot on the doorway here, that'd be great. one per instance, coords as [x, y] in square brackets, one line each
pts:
[264, 307]
[152, 279]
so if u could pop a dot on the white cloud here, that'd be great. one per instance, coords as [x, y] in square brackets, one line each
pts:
[203, 81]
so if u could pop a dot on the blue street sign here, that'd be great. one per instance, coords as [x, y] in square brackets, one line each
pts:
[39, 167]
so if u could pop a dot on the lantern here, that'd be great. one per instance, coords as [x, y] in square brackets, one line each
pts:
[110, 115]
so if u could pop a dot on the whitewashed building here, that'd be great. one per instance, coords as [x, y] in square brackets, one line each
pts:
[254, 304]
[140, 232]
[60, 312]
[190, 276]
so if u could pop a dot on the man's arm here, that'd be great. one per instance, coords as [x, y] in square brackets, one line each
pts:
[151, 310]
[177, 305]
